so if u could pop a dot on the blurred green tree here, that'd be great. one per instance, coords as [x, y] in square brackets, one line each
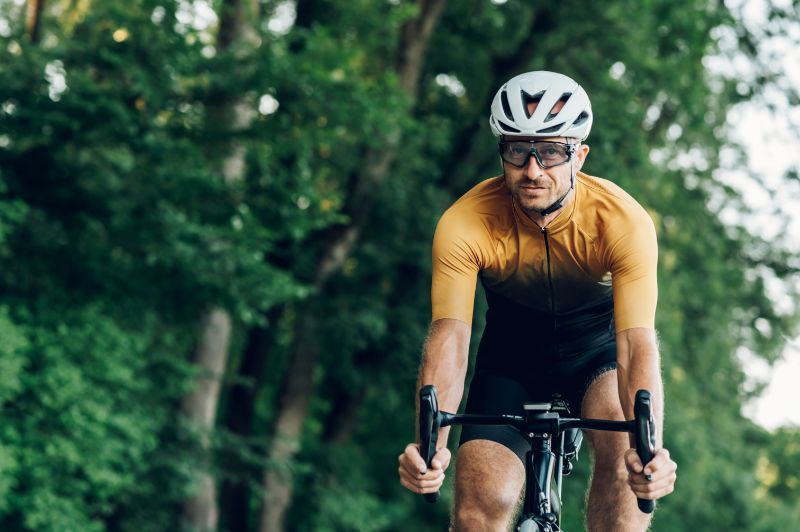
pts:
[277, 168]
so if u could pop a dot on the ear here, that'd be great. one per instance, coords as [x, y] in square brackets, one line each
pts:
[580, 155]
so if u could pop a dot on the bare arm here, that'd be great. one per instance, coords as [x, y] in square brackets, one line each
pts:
[639, 368]
[444, 364]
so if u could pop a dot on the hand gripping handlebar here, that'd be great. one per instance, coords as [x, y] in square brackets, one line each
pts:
[429, 421]
[645, 435]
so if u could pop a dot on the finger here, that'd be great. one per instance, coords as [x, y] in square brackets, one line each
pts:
[407, 463]
[655, 494]
[647, 490]
[661, 467]
[632, 461]
[442, 458]
[658, 470]
[640, 482]
[421, 491]
[655, 485]
[415, 459]
[660, 461]
[413, 476]
[657, 474]
[410, 467]
[416, 481]
[421, 487]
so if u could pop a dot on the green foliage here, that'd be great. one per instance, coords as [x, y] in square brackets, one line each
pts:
[121, 222]
[82, 421]
[778, 487]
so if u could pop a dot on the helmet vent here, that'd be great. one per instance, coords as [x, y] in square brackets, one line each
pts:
[583, 117]
[506, 106]
[527, 100]
[552, 114]
[508, 128]
[551, 129]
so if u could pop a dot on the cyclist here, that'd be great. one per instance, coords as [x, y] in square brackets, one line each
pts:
[568, 265]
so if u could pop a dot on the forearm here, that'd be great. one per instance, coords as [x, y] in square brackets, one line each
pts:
[639, 368]
[444, 364]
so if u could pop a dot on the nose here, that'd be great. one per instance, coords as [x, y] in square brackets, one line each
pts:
[533, 167]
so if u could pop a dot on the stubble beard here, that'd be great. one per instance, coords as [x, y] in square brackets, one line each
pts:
[528, 204]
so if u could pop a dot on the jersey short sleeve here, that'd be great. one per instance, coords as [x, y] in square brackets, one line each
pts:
[457, 259]
[633, 261]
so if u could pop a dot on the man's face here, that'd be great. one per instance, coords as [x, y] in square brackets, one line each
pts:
[536, 188]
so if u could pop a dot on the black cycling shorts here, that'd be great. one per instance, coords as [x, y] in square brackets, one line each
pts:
[503, 392]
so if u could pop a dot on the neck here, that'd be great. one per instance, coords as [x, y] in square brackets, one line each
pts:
[543, 220]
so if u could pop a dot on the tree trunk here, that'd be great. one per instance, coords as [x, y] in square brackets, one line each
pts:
[294, 402]
[201, 511]
[296, 397]
[33, 21]
[414, 44]
[200, 409]
[235, 492]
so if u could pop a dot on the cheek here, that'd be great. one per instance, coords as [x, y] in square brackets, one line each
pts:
[511, 175]
[560, 179]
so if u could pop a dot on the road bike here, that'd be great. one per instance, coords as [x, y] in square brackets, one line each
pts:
[555, 441]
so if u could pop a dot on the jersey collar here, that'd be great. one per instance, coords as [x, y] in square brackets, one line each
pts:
[564, 215]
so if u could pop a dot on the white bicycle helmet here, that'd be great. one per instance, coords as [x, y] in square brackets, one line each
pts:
[510, 107]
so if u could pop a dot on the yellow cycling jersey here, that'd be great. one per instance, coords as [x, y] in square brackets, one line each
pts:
[590, 272]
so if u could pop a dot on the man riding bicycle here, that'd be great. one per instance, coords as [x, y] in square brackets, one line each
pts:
[568, 265]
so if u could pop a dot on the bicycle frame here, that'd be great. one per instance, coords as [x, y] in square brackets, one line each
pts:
[540, 426]
[543, 472]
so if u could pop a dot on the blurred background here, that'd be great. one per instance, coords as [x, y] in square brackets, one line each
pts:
[215, 227]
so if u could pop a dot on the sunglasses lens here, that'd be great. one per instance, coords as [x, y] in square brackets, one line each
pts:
[549, 154]
[515, 153]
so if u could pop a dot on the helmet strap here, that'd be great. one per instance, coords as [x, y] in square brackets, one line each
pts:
[560, 201]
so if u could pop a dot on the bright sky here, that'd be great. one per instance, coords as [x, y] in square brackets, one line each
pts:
[771, 139]
[777, 406]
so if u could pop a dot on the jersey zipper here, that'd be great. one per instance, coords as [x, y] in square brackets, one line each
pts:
[552, 292]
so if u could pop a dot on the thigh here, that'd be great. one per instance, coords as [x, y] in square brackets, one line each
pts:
[601, 401]
[489, 480]
[490, 471]
[577, 374]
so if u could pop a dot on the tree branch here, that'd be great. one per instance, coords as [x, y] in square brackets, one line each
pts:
[414, 44]
[278, 488]
[33, 20]
[469, 147]
[415, 37]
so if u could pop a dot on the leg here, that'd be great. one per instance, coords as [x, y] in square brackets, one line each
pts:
[611, 504]
[489, 481]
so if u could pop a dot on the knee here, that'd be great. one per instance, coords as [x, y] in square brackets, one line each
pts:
[608, 456]
[611, 471]
[610, 467]
[485, 509]
[489, 480]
